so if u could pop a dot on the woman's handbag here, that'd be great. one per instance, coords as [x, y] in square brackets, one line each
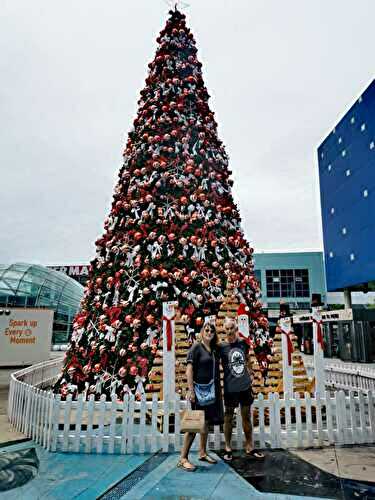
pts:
[192, 421]
[205, 393]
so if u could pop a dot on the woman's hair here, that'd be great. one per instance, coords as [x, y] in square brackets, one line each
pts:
[215, 339]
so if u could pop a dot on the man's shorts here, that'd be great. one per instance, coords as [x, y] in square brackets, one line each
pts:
[243, 398]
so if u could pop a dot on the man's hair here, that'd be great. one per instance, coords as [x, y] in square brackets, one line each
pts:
[229, 321]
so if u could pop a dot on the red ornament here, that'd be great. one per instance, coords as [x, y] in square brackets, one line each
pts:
[150, 318]
[133, 371]
[145, 273]
[164, 273]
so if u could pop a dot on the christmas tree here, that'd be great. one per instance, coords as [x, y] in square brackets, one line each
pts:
[173, 232]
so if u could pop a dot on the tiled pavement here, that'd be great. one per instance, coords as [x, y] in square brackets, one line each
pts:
[59, 476]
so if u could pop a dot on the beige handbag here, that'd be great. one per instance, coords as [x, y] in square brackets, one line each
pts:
[192, 421]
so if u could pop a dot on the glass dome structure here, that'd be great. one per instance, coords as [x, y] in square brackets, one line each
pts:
[30, 285]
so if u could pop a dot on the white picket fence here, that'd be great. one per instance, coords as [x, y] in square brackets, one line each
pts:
[148, 426]
[345, 376]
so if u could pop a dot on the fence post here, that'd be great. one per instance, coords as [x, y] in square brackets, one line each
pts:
[320, 384]
[169, 370]
[55, 422]
[340, 416]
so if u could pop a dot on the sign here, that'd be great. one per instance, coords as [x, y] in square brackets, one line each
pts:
[339, 315]
[25, 336]
[72, 271]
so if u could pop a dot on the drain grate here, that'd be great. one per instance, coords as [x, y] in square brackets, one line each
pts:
[132, 479]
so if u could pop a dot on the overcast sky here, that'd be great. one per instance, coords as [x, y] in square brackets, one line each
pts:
[280, 73]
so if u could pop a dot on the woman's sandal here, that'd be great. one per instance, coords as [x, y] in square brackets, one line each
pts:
[255, 454]
[228, 456]
[208, 459]
[186, 465]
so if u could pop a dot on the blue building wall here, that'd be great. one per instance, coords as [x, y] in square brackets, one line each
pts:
[310, 261]
[347, 189]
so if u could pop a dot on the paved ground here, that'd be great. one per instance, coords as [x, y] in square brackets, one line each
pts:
[347, 462]
[34, 474]
[6, 433]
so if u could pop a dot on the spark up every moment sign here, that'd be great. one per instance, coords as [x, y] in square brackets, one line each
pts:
[25, 336]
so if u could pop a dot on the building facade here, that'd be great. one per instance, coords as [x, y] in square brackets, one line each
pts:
[347, 189]
[290, 277]
[34, 286]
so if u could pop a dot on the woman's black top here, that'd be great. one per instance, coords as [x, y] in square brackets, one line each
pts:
[203, 364]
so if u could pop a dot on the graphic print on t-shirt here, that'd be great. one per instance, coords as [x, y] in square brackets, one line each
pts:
[237, 362]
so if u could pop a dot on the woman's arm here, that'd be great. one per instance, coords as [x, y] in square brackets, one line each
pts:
[189, 376]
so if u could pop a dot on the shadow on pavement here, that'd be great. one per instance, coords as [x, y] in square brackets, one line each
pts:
[284, 473]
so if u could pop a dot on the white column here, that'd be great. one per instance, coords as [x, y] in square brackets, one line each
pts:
[169, 370]
[285, 325]
[319, 368]
[347, 298]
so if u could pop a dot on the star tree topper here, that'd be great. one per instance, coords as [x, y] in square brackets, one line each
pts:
[176, 4]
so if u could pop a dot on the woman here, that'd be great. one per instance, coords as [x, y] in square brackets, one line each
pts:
[203, 366]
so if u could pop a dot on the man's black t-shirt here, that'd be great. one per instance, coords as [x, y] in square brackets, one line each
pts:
[233, 358]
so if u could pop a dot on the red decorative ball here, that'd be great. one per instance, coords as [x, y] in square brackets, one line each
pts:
[145, 273]
[150, 318]
[133, 371]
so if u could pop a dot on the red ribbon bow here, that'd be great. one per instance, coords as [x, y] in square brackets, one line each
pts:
[319, 332]
[169, 331]
[290, 346]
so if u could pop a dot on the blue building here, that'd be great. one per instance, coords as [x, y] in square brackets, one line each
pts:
[290, 277]
[347, 189]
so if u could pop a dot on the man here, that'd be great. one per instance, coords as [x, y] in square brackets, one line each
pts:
[234, 355]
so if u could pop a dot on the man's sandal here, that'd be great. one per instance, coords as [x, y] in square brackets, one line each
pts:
[186, 465]
[228, 456]
[208, 459]
[255, 454]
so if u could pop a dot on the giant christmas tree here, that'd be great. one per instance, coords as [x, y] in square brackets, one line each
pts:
[173, 232]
